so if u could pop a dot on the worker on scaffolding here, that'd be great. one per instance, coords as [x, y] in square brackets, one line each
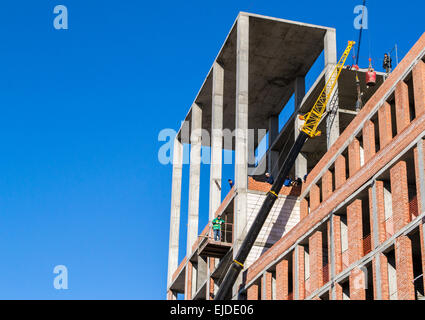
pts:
[216, 225]
[387, 63]
[269, 178]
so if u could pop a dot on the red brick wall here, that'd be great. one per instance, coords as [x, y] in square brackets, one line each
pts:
[268, 289]
[303, 208]
[338, 291]
[419, 87]
[337, 243]
[340, 171]
[252, 292]
[316, 260]
[402, 106]
[357, 285]
[388, 152]
[188, 289]
[385, 125]
[326, 185]
[380, 208]
[282, 278]
[400, 196]
[314, 197]
[385, 290]
[404, 268]
[212, 267]
[354, 157]
[369, 140]
[355, 231]
[265, 187]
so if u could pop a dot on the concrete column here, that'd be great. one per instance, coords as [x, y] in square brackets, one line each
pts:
[216, 139]
[298, 273]
[241, 135]
[194, 178]
[173, 251]
[273, 155]
[331, 59]
[301, 162]
[202, 272]
[375, 231]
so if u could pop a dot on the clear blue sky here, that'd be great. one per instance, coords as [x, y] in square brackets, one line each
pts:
[81, 109]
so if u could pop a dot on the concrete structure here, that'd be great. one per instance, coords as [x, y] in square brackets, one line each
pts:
[349, 218]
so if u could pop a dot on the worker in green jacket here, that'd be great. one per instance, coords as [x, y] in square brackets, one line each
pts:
[216, 224]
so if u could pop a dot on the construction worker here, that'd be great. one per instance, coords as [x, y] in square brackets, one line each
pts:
[387, 63]
[216, 224]
[231, 184]
[287, 182]
[269, 177]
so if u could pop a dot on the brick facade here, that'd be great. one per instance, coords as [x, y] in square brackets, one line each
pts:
[383, 166]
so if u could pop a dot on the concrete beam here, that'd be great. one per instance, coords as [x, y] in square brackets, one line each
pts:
[194, 177]
[216, 139]
[173, 251]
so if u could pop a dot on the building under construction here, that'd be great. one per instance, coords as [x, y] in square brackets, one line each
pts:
[351, 226]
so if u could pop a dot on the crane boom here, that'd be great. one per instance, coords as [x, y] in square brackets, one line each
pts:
[308, 130]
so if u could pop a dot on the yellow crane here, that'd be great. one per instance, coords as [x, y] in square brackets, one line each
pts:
[312, 118]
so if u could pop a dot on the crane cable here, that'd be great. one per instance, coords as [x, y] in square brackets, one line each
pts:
[359, 103]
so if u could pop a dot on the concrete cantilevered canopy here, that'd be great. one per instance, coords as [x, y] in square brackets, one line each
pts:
[279, 51]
